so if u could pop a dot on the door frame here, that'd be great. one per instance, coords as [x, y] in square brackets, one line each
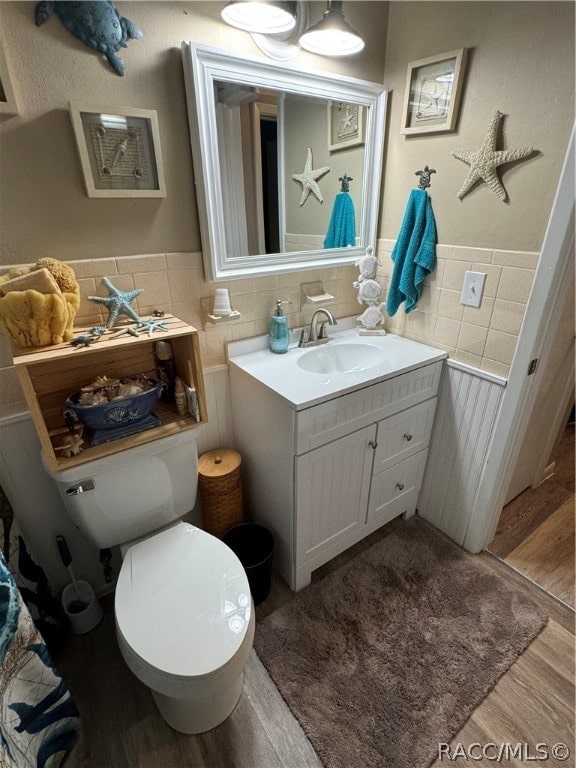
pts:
[551, 282]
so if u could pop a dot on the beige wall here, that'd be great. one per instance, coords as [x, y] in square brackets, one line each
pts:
[521, 62]
[45, 211]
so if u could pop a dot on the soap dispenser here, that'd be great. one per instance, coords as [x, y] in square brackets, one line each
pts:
[279, 335]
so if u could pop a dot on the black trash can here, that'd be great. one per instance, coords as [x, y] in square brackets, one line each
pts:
[253, 545]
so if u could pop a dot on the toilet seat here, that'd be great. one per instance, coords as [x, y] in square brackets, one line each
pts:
[183, 606]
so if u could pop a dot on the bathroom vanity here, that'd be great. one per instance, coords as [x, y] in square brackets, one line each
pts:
[334, 439]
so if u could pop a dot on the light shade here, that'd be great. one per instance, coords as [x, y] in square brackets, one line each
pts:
[268, 17]
[332, 36]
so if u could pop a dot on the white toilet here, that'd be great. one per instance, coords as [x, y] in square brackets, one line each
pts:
[184, 615]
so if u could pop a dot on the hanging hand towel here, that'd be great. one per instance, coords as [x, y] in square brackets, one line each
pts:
[414, 254]
[342, 229]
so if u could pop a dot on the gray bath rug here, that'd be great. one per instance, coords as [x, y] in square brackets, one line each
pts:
[390, 654]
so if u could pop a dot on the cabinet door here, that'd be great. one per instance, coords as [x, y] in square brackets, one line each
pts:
[332, 485]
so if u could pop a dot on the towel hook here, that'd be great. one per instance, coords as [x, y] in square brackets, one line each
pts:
[424, 182]
[345, 186]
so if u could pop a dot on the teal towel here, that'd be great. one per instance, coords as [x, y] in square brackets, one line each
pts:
[342, 228]
[414, 254]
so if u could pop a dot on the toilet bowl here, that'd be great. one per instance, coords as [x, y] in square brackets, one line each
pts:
[183, 610]
[185, 624]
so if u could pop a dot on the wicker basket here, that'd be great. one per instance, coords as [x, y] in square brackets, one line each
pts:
[220, 490]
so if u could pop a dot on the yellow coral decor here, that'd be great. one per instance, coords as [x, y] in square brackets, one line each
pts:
[38, 304]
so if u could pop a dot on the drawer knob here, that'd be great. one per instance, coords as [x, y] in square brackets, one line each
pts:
[373, 444]
[407, 437]
[400, 486]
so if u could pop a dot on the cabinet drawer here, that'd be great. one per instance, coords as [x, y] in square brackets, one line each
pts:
[403, 435]
[320, 424]
[396, 489]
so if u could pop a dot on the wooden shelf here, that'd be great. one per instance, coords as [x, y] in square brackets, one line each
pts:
[50, 374]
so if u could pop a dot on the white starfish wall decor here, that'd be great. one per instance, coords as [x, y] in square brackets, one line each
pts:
[308, 178]
[484, 162]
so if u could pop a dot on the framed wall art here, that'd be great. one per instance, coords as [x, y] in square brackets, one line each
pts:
[119, 151]
[8, 103]
[433, 93]
[345, 125]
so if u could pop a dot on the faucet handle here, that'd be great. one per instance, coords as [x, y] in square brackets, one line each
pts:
[303, 337]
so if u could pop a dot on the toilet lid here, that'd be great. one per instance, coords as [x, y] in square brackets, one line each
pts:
[183, 601]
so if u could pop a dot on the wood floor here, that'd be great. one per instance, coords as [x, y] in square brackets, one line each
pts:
[532, 703]
[535, 533]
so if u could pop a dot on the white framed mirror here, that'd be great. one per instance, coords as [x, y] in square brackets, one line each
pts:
[254, 126]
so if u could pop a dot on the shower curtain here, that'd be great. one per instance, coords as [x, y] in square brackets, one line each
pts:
[38, 718]
[39, 721]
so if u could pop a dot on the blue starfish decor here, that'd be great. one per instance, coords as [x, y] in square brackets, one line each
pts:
[117, 302]
[120, 303]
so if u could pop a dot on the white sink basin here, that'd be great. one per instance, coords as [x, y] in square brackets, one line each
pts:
[307, 377]
[341, 358]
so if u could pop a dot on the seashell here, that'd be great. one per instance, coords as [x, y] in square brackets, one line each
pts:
[100, 382]
[71, 446]
[144, 382]
[129, 389]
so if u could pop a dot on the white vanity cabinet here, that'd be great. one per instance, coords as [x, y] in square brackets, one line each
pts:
[323, 477]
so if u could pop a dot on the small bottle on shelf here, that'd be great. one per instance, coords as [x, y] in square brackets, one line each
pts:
[180, 396]
[166, 369]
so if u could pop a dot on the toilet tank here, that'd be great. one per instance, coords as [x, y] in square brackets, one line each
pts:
[133, 492]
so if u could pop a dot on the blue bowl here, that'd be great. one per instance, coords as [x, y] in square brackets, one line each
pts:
[117, 413]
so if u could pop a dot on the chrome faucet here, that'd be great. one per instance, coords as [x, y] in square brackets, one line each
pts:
[316, 336]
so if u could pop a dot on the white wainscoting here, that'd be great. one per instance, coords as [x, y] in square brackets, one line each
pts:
[36, 502]
[468, 405]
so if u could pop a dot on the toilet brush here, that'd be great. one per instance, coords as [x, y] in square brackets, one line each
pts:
[79, 604]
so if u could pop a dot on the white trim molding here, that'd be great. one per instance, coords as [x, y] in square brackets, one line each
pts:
[203, 67]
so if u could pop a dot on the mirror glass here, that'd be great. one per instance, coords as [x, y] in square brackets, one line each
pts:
[287, 163]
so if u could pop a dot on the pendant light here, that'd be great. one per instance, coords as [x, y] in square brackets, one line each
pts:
[268, 17]
[332, 35]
